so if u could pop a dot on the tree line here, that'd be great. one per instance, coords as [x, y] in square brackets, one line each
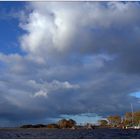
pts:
[63, 123]
[129, 119]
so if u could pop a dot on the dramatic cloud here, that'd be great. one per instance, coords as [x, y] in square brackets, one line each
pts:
[79, 56]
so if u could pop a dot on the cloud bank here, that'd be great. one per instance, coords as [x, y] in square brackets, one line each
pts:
[79, 55]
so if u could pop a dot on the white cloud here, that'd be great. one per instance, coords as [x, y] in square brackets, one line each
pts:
[64, 85]
[40, 93]
[52, 27]
[37, 29]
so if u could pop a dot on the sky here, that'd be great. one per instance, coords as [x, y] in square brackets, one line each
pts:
[76, 60]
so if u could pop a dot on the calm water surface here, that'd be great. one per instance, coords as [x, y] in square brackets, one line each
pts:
[69, 134]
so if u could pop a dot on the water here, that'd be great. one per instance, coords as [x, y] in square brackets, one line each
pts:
[69, 134]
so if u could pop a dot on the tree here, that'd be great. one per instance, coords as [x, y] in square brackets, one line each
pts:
[62, 123]
[39, 126]
[72, 122]
[126, 122]
[128, 118]
[137, 118]
[132, 119]
[114, 120]
[103, 122]
[66, 123]
[52, 125]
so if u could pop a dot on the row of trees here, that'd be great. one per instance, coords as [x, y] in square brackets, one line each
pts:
[60, 124]
[129, 119]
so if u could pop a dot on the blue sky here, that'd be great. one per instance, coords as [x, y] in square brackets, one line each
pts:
[53, 65]
[10, 26]
[136, 94]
